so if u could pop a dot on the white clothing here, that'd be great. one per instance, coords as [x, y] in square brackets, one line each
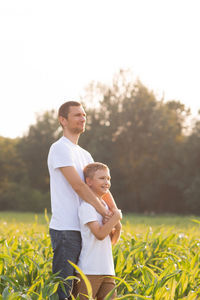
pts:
[96, 255]
[64, 200]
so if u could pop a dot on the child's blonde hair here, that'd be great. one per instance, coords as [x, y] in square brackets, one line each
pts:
[90, 169]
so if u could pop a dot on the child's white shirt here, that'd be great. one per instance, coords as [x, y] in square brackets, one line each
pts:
[96, 255]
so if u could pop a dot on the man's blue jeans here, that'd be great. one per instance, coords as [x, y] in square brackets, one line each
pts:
[66, 246]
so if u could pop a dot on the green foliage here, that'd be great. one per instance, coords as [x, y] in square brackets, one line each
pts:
[21, 197]
[25, 264]
[162, 263]
[142, 140]
[11, 166]
[33, 149]
[24, 176]
[191, 179]
[153, 156]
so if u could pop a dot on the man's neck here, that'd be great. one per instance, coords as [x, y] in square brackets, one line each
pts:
[72, 137]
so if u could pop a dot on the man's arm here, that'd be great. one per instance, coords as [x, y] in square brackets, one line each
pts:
[101, 231]
[108, 198]
[81, 188]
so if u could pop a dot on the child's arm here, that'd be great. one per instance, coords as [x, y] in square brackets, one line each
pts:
[115, 233]
[101, 231]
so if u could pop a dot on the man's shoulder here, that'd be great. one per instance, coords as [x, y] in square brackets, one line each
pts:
[60, 143]
[57, 142]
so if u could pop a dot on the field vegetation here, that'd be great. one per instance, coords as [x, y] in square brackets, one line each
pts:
[157, 258]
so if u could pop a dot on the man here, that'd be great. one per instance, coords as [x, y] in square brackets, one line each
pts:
[66, 161]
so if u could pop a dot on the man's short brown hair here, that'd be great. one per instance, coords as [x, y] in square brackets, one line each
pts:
[90, 169]
[64, 108]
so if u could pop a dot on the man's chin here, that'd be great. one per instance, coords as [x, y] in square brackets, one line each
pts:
[79, 130]
[82, 129]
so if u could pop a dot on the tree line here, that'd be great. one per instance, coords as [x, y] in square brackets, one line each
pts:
[152, 152]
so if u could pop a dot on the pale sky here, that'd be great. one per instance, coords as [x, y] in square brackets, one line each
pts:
[51, 50]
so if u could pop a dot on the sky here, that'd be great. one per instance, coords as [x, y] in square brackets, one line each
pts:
[51, 50]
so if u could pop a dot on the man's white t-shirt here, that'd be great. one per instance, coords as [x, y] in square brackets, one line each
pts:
[64, 200]
[96, 255]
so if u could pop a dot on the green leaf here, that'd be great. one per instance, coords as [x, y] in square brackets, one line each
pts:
[84, 277]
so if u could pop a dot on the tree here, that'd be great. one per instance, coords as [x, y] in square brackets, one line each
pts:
[140, 138]
[33, 149]
[154, 159]
[12, 171]
[191, 178]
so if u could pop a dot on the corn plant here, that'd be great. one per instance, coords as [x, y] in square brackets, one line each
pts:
[158, 263]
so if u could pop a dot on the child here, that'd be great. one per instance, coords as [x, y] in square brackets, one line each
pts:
[96, 259]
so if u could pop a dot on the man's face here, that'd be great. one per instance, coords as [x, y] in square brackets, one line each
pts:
[100, 182]
[76, 119]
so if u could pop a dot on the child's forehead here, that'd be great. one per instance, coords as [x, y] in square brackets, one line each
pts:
[105, 171]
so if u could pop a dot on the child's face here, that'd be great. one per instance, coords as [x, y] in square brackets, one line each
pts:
[100, 182]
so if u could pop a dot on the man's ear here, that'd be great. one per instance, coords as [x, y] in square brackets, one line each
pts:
[62, 120]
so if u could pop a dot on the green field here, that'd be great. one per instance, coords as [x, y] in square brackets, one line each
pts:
[157, 257]
[135, 220]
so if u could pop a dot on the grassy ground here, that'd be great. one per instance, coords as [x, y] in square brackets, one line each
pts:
[22, 217]
[166, 220]
[157, 256]
[136, 221]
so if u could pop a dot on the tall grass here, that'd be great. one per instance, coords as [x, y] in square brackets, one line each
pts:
[158, 261]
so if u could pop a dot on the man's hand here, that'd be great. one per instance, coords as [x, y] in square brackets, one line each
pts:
[115, 212]
[107, 217]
